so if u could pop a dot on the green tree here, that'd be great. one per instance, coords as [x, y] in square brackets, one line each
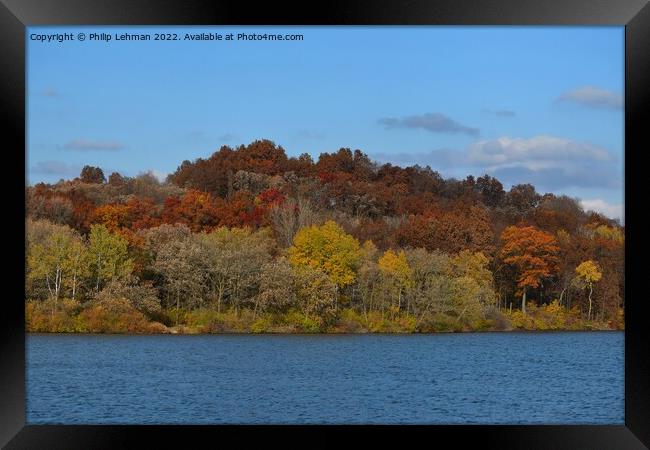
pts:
[108, 256]
[431, 291]
[474, 265]
[315, 293]
[76, 265]
[48, 258]
[368, 277]
[465, 293]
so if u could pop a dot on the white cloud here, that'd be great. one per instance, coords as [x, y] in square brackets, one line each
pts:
[593, 97]
[539, 152]
[160, 176]
[548, 162]
[611, 210]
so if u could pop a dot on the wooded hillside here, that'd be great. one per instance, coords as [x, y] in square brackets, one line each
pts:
[342, 240]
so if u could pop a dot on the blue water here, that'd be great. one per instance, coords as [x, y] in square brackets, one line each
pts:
[491, 378]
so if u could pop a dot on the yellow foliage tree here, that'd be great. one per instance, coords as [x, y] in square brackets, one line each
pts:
[396, 269]
[368, 250]
[612, 233]
[588, 273]
[474, 265]
[329, 249]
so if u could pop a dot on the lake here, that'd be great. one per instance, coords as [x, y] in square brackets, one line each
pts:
[491, 378]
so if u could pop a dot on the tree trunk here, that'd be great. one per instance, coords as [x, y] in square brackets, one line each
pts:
[336, 296]
[220, 297]
[99, 259]
[562, 295]
[590, 291]
[74, 284]
[57, 287]
[49, 290]
[47, 281]
[177, 305]
[523, 302]
[461, 315]
[57, 283]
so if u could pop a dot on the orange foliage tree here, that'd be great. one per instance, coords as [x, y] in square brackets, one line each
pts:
[534, 253]
[114, 216]
[195, 209]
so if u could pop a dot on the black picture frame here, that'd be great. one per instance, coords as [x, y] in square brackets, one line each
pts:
[15, 15]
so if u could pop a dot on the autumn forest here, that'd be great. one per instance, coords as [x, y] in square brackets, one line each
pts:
[251, 240]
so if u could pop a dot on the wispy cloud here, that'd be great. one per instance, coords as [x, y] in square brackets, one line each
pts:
[433, 122]
[195, 136]
[593, 97]
[500, 112]
[57, 168]
[200, 137]
[91, 145]
[310, 134]
[227, 137]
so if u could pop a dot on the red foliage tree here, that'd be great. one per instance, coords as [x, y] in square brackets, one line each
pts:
[448, 231]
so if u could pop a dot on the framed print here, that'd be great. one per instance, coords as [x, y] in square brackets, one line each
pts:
[400, 220]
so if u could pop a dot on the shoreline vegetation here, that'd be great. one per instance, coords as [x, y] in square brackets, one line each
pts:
[72, 318]
[252, 241]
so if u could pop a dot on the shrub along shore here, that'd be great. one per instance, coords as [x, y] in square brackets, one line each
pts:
[119, 317]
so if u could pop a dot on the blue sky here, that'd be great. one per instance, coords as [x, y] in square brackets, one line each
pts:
[525, 104]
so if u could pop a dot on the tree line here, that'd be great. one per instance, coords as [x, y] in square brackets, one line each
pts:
[252, 232]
